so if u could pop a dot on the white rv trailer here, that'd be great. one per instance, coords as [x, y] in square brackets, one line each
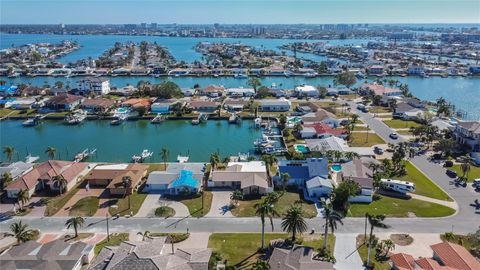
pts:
[398, 186]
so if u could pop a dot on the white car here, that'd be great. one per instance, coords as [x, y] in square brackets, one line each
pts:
[394, 136]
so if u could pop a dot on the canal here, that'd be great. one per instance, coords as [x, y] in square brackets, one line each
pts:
[119, 143]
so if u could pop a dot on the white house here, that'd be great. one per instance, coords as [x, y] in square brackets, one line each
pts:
[177, 178]
[275, 105]
[100, 86]
[319, 187]
[468, 133]
[306, 91]
[240, 92]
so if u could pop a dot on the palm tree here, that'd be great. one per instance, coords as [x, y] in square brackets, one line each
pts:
[260, 265]
[51, 152]
[20, 232]
[387, 246]
[144, 235]
[23, 197]
[127, 182]
[164, 153]
[9, 151]
[60, 182]
[375, 221]
[269, 161]
[236, 196]
[354, 118]
[293, 222]
[337, 155]
[214, 160]
[6, 178]
[351, 155]
[75, 222]
[285, 178]
[331, 219]
[265, 209]
[465, 166]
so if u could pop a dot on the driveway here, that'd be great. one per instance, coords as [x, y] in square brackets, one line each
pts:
[81, 193]
[346, 252]
[420, 245]
[153, 201]
[220, 204]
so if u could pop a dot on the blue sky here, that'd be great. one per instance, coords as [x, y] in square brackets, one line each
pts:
[239, 11]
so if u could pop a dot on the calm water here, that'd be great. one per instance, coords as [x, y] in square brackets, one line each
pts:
[119, 143]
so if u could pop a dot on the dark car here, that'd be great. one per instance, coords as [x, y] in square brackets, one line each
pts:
[451, 173]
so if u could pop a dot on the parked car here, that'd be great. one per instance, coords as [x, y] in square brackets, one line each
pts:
[451, 173]
[393, 136]
[377, 150]
[476, 183]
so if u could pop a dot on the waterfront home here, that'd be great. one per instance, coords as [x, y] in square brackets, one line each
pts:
[300, 171]
[98, 86]
[212, 91]
[306, 91]
[275, 71]
[416, 70]
[188, 92]
[111, 177]
[379, 90]
[164, 106]
[55, 91]
[57, 254]
[178, 178]
[42, 177]
[234, 105]
[24, 104]
[409, 110]
[153, 254]
[240, 92]
[296, 258]
[474, 70]
[468, 133]
[137, 103]
[275, 105]
[321, 116]
[127, 90]
[357, 171]
[203, 105]
[8, 90]
[97, 104]
[375, 70]
[249, 177]
[121, 72]
[321, 130]
[15, 169]
[33, 91]
[63, 102]
[334, 143]
[446, 255]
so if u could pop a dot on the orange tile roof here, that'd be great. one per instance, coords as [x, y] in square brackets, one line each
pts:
[455, 256]
[403, 261]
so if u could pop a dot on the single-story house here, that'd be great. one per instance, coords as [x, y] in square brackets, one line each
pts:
[204, 105]
[337, 144]
[212, 91]
[42, 176]
[63, 102]
[249, 177]
[15, 169]
[296, 258]
[177, 178]
[321, 130]
[379, 90]
[306, 91]
[188, 92]
[111, 177]
[375, 70]
[97, 104]
[33, 91]
[234, 104]
[408, 112]
[124, 91]
[24, 104]
[319, 187]
[240, 92]
[301, 171]
[321, 116]
[153, 254]
[275, 105]
[357, 171]
[137, 102]
[57, 254]
[163, 106]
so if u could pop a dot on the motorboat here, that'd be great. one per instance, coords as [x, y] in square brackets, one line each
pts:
[30, 122]
[158, 119]
[76, 118]
[234, 119]
[144, 155]
[119, 120]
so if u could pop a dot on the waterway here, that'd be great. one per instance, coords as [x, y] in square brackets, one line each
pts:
[119, 143]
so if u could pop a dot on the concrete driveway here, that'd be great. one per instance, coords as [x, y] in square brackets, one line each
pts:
[153, 201]
[220, 204]
[346, 252]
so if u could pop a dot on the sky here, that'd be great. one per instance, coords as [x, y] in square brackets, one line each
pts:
[238, 11]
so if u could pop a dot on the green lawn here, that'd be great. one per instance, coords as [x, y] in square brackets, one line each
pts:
[176, 237]
[394, 207]
[396, 123]
[423, 185]
[474, 172]
[156, 167]
[404, 132]
[379, 109]
[241, 249]
[85, 207]
[360, 128]
[361, 139]
[363, 252]
[194, 203]
[16, 113]
[164, 211]
[115, 240]
[57, 203]
[246, 209]
[136, 201]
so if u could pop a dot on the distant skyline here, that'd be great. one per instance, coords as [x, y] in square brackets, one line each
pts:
[238, 11]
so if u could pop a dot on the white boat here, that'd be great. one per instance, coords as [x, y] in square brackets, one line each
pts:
[119, 120]
[258, 122]
[144, 155]
[31, 159]
[203, 117]
[240, 76]
[195, 121]
[158, 119]
[76, 118]
[398, 186]
[182, 159]
[30, 122]
[234, 119]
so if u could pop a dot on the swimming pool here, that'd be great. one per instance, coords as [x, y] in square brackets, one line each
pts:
[302, 148]
[336, 167]
[122, 110]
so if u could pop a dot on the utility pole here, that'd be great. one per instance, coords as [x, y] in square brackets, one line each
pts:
[108, 232]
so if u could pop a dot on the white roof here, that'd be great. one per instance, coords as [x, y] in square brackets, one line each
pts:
[318, 181]
[240, 90]
[305, 88]
[330, 143]
[251, 166]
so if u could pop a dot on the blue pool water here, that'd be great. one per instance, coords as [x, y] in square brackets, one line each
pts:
[302, 148]
[337, 167]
